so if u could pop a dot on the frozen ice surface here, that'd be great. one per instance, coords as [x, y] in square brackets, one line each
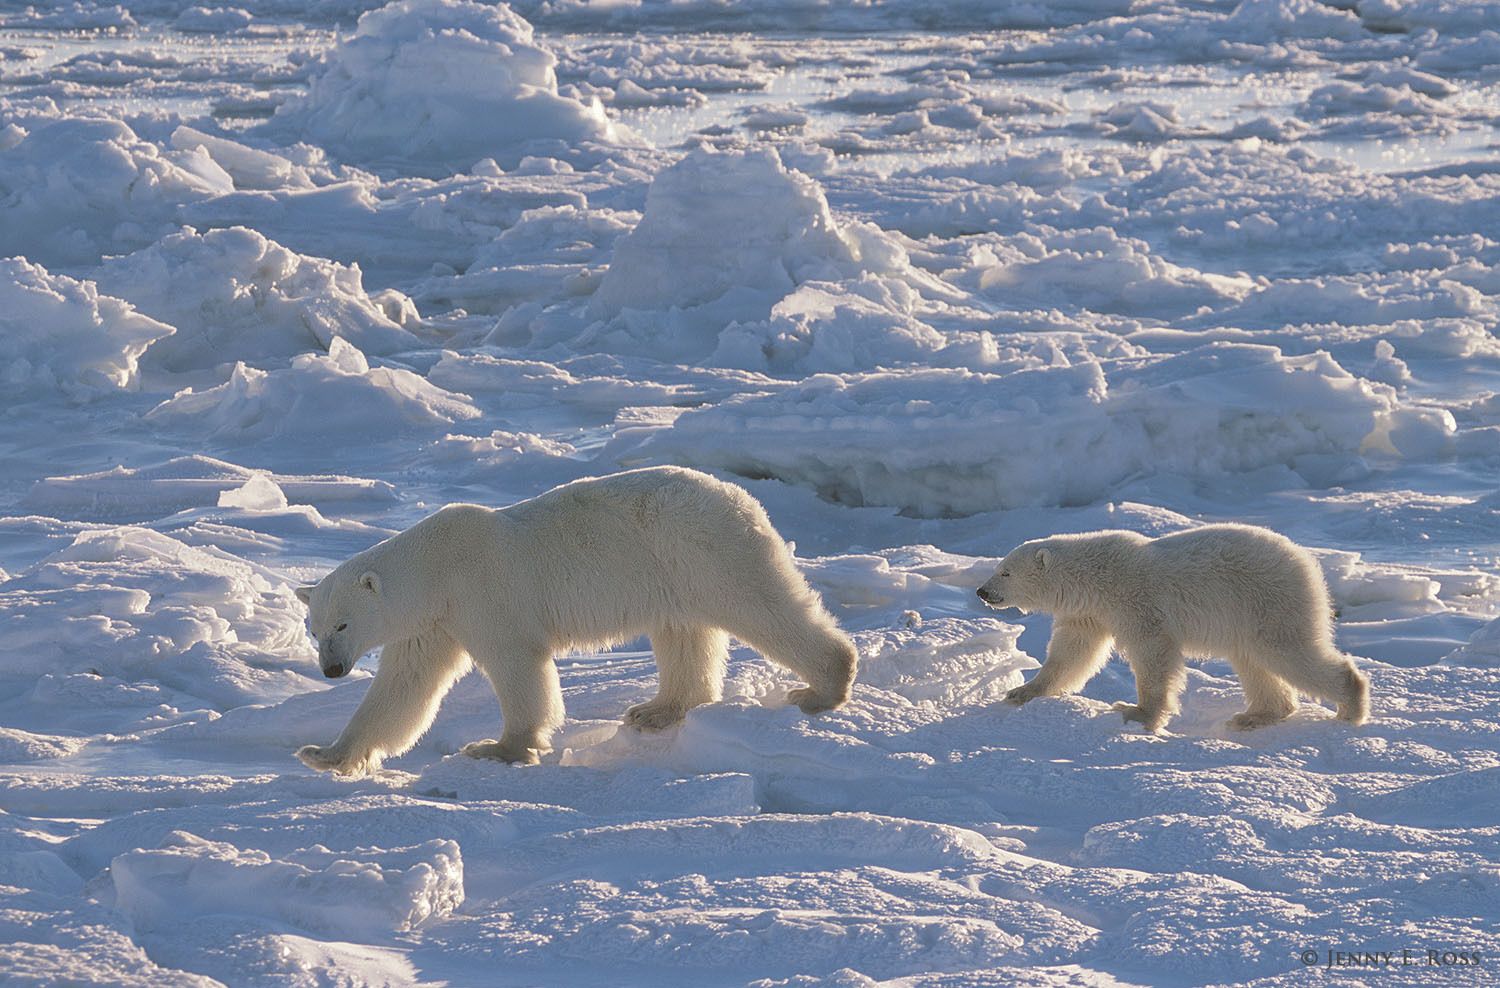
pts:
[928, 278]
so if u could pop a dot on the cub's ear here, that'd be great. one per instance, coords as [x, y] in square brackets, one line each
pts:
[304, 594]
[1043, 558]
[371, 582]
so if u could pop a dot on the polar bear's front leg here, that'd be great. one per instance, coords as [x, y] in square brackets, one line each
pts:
[414, 675]
[1076, 651]
[531, 704]
[1160, 676]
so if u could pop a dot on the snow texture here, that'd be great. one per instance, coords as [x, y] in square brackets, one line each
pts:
[929, 278]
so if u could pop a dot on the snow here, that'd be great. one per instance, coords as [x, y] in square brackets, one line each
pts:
[234, 295]
[60, 337]
[468, 74]
[277, 279]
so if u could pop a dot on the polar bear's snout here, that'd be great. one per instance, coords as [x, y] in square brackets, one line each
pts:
[332, 665]
[989, 596]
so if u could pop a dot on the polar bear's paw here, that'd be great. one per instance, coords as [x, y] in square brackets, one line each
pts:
[811, 701]
[331, 759]
[503, 751]
[1251, 719]
[1151, 720]
[654, 715]
[1023, 694]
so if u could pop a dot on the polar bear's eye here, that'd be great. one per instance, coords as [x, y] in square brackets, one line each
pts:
[340, 628]
[1006, 573]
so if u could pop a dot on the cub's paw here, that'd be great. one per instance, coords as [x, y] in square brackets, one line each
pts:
[811, 701]
[1023, 694]
[503, 751]
[333, 760]
[653, 715]
[1250, 720]
[1151, 720]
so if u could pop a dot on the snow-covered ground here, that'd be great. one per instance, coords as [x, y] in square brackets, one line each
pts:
[928, 277]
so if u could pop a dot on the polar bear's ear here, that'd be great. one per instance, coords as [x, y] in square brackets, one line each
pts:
[1043, 558]
[370, 582]
[304, 594]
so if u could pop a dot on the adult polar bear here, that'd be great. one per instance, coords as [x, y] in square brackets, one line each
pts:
[1237, 591]
[663, 551]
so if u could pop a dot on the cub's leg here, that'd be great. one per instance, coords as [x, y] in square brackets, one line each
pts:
[413, 677]
[1322, 672]
[1160, 676]
[1077, 650]
[1268, 697]
[798, 633]
[690, 665]
[531, 703]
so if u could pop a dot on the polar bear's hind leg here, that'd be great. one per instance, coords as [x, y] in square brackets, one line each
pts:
[690, 664]
[1268, 698]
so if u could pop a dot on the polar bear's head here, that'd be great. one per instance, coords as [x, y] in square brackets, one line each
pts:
[346, 614]
[1024, 578]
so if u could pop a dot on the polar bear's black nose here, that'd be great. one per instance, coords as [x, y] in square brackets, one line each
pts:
[985, 596]
[334, 671]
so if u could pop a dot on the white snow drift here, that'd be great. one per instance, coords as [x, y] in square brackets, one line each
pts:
[335, 396]
[234, 295]
[59, 335]
[940, 442]
[438, 85]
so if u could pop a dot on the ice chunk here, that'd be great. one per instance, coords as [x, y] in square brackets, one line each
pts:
[234, 295]
[212, 20]
[438, 85]
[259, 493]
[74, 189]
[155, 490]
[60, 335]
[338, 395]
[716, 223]
[725, 237]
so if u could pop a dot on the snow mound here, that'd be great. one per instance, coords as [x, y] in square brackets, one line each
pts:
[234, 295]
[212, 20]
[75, 189]
[126, 616]
[1098, 270]
[952, 442]
[724, 237]
[58, 334]
[839, 328]
[440, 85]
[1481, 650]
[356, 894]
[338, 395]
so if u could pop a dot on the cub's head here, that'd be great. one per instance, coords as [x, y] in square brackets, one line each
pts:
[1023, 579]
[346, 617]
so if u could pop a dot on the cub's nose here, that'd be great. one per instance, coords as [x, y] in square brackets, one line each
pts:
[986, 596]
[334, 671]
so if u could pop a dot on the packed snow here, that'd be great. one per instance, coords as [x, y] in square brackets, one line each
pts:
[928, 279]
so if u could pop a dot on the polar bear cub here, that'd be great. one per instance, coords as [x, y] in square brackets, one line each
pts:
[668, 552]
[1237, 591]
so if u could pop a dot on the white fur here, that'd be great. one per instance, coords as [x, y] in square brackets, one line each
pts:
[667, 552]
[1237, 591]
